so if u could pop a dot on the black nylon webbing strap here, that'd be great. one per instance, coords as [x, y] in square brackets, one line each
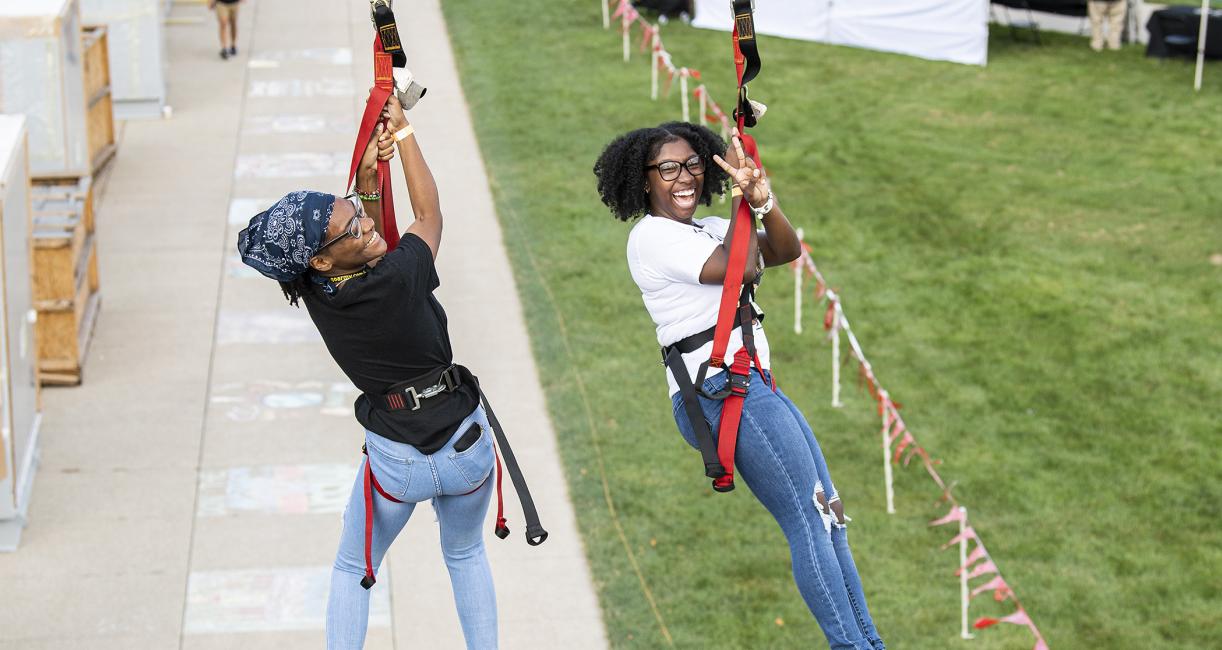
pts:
[744, 23]
[744, 28]
[691, 404]
[535, 534]
[388, 32]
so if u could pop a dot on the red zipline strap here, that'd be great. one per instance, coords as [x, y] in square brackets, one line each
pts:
[370, 484]
[732, 288]
[731, 415]
[502, 529]
[383, 86]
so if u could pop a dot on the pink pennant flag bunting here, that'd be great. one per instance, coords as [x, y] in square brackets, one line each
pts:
[916, 451]
[896, 432]
[1017, 618]
[973, 557]
[995, 585]
[904, 442]
[955, 514]
[968, 533]
[1040, 645]
[983, 568]
[646, 34]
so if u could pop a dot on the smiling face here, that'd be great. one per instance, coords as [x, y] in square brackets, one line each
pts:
[348, 253]
[677, 198]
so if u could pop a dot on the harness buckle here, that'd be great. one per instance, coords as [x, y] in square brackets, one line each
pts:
[738, 384]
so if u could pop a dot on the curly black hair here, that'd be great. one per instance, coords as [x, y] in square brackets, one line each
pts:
[621, 167]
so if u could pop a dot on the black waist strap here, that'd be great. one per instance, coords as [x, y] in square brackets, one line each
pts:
[701, 339]
[408, 395]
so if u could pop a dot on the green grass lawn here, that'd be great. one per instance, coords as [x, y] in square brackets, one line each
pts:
[1023, 250]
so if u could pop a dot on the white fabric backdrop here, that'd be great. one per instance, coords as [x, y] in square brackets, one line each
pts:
[943, 30]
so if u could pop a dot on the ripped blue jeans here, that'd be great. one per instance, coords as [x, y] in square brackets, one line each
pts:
[780, 460]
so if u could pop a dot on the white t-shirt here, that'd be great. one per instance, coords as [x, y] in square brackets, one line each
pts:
[665, 258]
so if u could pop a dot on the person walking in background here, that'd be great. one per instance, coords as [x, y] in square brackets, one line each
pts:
[227, 25]
[1113, 11]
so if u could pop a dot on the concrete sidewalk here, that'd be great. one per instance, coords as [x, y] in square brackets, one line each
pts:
[189, 493]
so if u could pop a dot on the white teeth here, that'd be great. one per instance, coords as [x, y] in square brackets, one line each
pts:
[685, 193]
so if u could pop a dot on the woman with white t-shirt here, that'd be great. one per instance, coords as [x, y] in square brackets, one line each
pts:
[660, 175]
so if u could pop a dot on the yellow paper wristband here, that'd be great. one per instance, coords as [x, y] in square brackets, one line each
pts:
[402, 133]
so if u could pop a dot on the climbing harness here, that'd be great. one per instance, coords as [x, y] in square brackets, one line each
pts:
[390, 74]
[735, 309]
[407, 395]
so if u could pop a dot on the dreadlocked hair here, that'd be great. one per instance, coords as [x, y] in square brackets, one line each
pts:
[621, 167]
[293, 289]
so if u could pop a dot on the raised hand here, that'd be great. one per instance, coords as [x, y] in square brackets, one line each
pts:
[367, 171]
[744, 173]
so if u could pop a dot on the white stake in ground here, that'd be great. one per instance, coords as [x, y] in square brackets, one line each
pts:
[606, 14]
[1196, 84]
[653, 72]
[624, 24]
[964, 597]
[836, 403]
[798, 270]
[687, 116]
[887, 453]
[704, 107]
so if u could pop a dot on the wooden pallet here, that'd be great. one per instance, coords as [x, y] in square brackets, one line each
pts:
[99, 119]
[65, 277]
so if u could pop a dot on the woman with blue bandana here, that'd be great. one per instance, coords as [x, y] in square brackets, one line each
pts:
[426, 435]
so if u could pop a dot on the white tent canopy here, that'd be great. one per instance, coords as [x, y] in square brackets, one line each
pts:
[943, 30]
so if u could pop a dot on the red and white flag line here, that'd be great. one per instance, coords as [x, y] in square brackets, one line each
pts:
[974, 564]
[897, 440]
[661, 61]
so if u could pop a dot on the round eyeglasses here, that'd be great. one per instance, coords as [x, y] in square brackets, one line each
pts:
[669, 169]
[353, 229]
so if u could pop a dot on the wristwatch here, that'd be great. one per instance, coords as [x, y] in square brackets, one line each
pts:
[765, 208]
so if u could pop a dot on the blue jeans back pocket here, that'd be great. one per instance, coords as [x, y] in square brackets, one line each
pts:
[475, 462]
[392, 471]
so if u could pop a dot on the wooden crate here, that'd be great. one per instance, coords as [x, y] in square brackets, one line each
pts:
[100, 120]
[56, 191]
[65, 277]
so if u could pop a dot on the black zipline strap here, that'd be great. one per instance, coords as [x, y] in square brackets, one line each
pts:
[744, 28]
[535, 534]
[744, 23]
[388, 32]
[691, 404]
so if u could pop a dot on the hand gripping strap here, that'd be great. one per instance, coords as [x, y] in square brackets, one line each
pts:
[383, 86]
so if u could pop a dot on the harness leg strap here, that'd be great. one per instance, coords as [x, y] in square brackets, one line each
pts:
[691, 405]
[370, 484]
[731, 415]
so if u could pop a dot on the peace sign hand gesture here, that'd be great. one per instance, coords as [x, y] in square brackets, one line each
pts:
[746, 175]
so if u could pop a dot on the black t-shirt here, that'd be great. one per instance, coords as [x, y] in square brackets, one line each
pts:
[386, 327]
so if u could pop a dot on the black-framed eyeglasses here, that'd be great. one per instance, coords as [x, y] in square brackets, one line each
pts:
[669, 169]
[353, 229]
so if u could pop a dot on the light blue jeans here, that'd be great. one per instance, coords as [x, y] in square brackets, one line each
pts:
[780, 460]
[460, 487]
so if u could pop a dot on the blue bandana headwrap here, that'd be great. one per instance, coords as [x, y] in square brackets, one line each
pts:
[280, 241]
